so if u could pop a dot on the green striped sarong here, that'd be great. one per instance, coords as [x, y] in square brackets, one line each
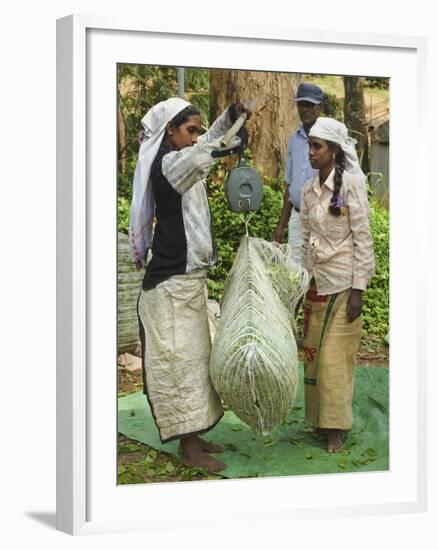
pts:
[330, 346]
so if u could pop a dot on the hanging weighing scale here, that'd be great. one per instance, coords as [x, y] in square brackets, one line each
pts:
[244, 186]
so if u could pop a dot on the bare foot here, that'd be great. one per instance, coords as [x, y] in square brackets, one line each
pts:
[206, 446]
[210, 447]
[193, 455]
[334, 444]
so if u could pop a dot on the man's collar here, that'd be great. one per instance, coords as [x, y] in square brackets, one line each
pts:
[302, 131]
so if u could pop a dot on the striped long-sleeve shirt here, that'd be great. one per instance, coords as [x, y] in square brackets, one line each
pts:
[182, 241]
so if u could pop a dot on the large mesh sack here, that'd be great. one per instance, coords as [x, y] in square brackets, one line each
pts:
[254, 359]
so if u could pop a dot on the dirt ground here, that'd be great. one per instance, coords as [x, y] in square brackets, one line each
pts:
[139, 463]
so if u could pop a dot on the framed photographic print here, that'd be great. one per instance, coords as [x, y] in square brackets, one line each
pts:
[114, 471]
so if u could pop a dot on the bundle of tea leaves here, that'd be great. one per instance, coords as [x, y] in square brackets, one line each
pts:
[254, 359]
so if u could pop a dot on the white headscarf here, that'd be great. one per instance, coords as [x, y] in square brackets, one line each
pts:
[143, 205]
[330, 129]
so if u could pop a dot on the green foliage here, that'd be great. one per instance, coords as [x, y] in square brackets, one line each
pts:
[123, 206]
[379, 187]
[142, 86]
[333, 107]
[379, 83]
[197, 91]
[376, 298]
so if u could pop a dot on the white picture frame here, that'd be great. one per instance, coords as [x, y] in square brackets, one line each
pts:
[88, 499]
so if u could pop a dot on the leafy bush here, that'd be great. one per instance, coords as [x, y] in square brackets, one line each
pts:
[376, 298]
[123, 206]
[333, 107]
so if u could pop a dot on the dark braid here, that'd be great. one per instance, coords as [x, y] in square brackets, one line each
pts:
[334, 207]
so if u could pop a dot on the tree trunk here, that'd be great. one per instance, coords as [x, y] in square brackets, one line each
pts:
[354, 117]
[275, 116]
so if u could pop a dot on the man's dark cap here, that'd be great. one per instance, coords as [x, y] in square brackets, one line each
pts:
[309, 92]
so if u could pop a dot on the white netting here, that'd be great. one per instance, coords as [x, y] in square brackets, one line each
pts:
[254, 358]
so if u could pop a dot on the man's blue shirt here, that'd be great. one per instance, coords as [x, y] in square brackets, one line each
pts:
[298, 169]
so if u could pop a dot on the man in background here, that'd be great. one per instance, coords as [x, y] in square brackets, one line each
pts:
[309, 101]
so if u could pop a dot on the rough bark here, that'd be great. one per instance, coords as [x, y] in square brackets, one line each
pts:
[275, 116]
[355, 118]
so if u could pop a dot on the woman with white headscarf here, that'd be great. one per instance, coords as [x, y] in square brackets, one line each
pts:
[338, 253]
[172, 307]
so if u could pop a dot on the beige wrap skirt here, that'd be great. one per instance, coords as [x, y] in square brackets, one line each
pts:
[330, 346]
[176, 349]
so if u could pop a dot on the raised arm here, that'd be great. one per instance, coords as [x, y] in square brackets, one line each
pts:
[218, 128]
[185, 167]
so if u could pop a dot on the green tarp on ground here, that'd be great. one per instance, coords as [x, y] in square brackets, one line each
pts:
[290, 449]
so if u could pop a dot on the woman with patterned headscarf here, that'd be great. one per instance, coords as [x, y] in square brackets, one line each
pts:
[169, 189]
[338, 253]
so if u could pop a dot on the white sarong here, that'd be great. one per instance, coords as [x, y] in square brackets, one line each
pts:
[176, 348]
